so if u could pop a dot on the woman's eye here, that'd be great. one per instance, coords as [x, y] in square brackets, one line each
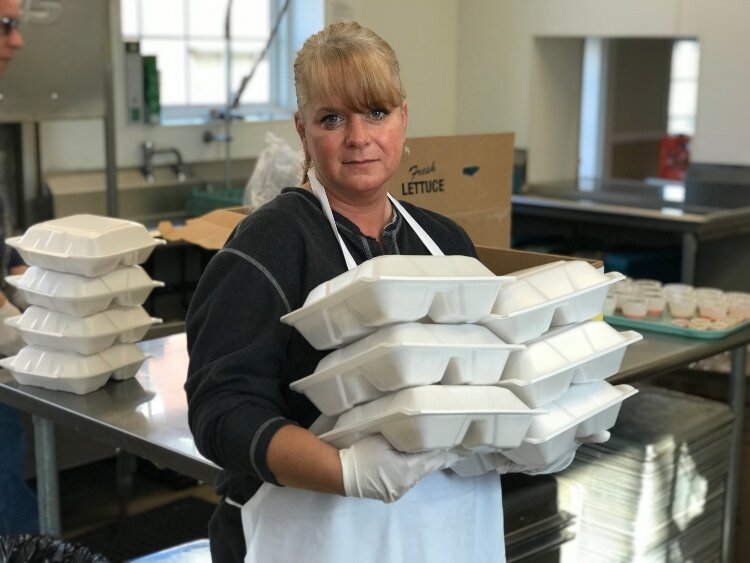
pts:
[378, 114]
[330, 120]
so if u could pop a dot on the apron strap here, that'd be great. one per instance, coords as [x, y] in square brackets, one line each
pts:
[320, 193]
[421, 233]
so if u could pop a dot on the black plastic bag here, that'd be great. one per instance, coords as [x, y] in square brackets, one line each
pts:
[42, 549]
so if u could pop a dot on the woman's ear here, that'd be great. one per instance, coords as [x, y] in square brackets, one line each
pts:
[405, 110]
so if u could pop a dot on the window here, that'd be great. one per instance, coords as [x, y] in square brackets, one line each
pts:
[188, 39]
[683, 88]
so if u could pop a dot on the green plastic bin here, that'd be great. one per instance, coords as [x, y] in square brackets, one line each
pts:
[202, 201]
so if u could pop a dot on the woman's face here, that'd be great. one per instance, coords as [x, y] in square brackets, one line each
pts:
[355, 154]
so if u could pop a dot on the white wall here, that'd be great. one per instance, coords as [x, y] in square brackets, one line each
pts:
[424, 34]
[495, 61]
[723, 121]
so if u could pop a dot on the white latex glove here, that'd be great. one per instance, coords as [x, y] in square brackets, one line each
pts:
[374, 469]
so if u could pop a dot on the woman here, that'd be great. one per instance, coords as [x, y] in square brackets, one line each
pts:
[352, 123]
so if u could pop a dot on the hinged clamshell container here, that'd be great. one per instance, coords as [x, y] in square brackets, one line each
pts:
[581, 288]
[552, 435]
[477, 418]
[537, 374]
[89, 245]
[553, 294]
[405, 355]
[395, 289]
[596, 404]
[75, 373]
[575, 415]
[581, 353]
[83, 335]
[81, 296]
[594, 346]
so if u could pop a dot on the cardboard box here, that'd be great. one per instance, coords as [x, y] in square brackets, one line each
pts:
[209, 231]
[465, 177]
[503, 261]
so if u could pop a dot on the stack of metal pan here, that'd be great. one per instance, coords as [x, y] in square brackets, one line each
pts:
[535, 530]
[655, 491]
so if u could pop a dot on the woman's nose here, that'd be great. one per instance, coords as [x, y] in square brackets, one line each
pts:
[357, 133]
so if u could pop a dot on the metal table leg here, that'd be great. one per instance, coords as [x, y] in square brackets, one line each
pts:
[689, 254]
[737, 403]
[48, 492]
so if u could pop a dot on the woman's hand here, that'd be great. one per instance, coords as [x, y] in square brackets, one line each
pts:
[373, 469]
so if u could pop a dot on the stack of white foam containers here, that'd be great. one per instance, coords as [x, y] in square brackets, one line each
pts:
[566, 359]
[432, 356]
[412, 363]
[85, 291]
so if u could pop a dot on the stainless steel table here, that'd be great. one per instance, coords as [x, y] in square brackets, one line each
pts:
[147, 415]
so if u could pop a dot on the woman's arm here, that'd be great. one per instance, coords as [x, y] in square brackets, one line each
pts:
[300, 459]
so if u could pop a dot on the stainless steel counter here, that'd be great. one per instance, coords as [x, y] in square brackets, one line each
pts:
[147, 415]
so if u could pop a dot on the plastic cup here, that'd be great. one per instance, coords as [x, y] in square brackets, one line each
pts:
[681, 306]
[634, 307]
[712, 308]
[655, 303]
[739, 308]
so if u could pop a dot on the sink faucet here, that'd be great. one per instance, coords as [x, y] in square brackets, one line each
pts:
[150, 151]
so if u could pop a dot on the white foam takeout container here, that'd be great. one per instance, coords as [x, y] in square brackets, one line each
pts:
[395, 289]
[553, 294]
[537, 374]
[582, 353]
[582, 287]
[405, 355]
[80, 296]
[595, 347]
[68, 371]
[582, 411]
[83, 335]
[89, 245]
[477, 418]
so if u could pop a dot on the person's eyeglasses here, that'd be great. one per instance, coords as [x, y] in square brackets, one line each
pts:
[7, 25]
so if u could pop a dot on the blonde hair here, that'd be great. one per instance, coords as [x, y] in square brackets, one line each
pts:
[349, 62]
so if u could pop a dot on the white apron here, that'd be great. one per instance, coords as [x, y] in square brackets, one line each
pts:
[443, 519]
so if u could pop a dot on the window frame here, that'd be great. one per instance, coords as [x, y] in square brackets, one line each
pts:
[279, 105]
[694, 80]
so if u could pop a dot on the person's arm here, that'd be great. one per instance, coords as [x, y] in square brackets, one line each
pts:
[298, 458]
